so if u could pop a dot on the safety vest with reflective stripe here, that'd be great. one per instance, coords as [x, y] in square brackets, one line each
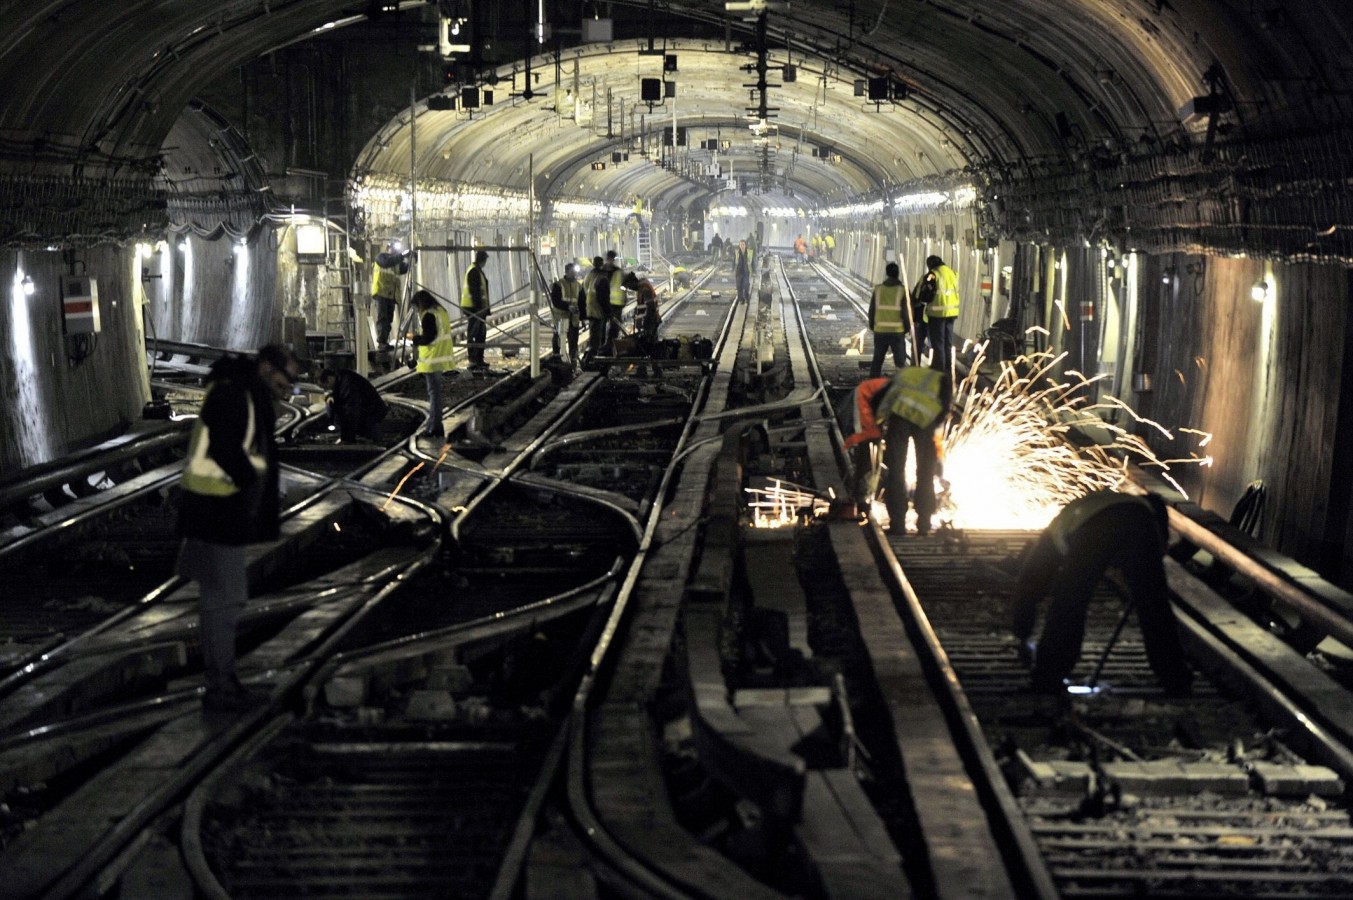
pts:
[440, 355]
[384, 282]
[617, 296]
[569, 291]
[202, 474]
[593, 306]
[944, 305]
[915, 396]
[466, 298]
[889, 315]
[1083, 509]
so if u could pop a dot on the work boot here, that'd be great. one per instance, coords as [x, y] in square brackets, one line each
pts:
[1178, 686]
[231, 695]
[1040, 683]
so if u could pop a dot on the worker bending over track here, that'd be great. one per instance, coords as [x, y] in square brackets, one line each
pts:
[1101, 531]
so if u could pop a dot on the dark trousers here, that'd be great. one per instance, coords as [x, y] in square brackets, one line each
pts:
[433, 427]
[476, 333]
[941, 334]
[385, 316]
[570, 330]
[744, 282]
[219, 570]
[596, 334]
[883, 342]
[354, 420]
[896, 436]
[1122, 538]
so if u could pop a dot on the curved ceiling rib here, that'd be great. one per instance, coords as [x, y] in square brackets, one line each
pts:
[1007, 85]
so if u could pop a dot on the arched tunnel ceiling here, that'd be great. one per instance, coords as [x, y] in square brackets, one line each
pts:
[1007, 83]
[594, 110]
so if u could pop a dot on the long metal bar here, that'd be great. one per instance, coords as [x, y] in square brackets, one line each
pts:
[532, 270]
[1310, 608]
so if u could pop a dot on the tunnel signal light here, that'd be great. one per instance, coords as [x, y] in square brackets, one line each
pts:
[598, 166]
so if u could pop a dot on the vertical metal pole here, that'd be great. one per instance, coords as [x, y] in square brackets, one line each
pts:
[413, 178]
[531, 264]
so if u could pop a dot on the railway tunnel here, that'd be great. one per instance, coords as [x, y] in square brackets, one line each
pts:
[1126, 177]
[1152, 193]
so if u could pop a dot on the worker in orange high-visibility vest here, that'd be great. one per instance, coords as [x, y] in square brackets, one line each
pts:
[904, 410]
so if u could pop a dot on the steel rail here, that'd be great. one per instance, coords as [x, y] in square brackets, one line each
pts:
[944, 684]
[1266, 580]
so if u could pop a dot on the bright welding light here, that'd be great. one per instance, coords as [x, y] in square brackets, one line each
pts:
[1007, 459]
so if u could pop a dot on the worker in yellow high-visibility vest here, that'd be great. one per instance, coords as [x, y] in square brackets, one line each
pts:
[941, 313]
[888, 313]
[436, 354]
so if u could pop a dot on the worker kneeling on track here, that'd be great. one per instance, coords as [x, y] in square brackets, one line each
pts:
[1101, 531]
[906, 409]
[354, 405]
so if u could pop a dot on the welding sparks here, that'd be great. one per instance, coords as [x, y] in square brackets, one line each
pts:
[783, 504]
[399, 487]
[1009, 462]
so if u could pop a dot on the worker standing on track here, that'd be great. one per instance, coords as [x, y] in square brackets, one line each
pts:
[597, 302]
[436, 354]
[615, 277]
[386, 281]
[647, 314]
[905, 409]
[230, 498]
[1101, 531]
[474, 305]
[565, 311]
[888, 320]
[742, 271]
[860, 422]
[941, 312]
[913, 408]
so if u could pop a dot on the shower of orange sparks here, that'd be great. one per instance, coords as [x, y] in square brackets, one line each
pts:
[1008, 461]
[446, 451]
[400, 486]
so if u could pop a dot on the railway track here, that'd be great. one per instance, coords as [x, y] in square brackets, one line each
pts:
[510, 583]
[1115, 789]
[552, 651]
